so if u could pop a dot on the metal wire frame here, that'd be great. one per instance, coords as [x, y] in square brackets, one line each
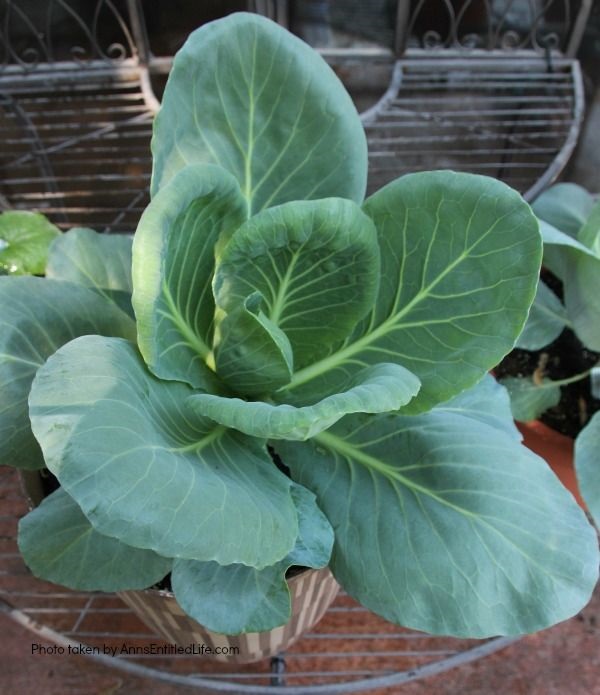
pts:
[28, 34]
[77, 150]
[507, 25]
[511, 118]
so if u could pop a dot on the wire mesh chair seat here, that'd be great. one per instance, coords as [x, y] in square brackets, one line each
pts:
[479, 96]
[77, 150]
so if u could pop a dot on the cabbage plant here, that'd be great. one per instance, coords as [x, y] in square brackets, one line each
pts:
[305, 381]
[570, 223]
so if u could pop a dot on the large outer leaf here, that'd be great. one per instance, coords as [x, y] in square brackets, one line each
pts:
[173, 263]
[144, 470]
[587, 465]
[316, 263]
[235, 598]
[547, 319]
[377, 389]
[460, 260]
[447, 525]
[101, 261]
[24, 241]
[37, 316]
[487, 402]
[60, 545]
[247, 95]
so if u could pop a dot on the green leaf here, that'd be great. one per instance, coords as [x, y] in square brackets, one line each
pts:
[38, 316]
[173, 264]
[377, 389]
[579, 269]
[554, 237]
[100, 261]
[60, 545]
[557, 247]
[24, 241]
[315, 263]
[565, 206]
[487, 402]
[587, 466]
[547, 319]
[253, 356]
[447, 525]
[582, 297]
[247, 95]
[460, 260]
[235, 599]
[589, 234]
[595, 381]
[147, 471]
[529, 399]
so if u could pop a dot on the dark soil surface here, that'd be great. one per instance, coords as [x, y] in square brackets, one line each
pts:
[563, 358]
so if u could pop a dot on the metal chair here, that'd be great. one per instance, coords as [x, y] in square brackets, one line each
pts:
[475, 86]
[480, 87]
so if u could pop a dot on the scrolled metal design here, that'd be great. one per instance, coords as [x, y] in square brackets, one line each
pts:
[510, 40]
[29, 56]
[63, 30]
[506, 25]
[432, 40]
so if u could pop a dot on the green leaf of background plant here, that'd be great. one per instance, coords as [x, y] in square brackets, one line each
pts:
[447, 525]
[595, 381]
[587, 466]
[554, 237]
[147, 471]
[565, 206]
[460, 259]
[589, 234]
[376, 389]
[24, 241]
[316, 263]
[253, 356]
[235, 598]
[528, 399]
[247, 95]
[38, 316]
[100, 261]
[60, 545]
[173, 264]
[547, 319]
[579, 269]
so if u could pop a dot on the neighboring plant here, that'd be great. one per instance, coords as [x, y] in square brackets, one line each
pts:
[24, 241]
[570, 225]
[308, 385]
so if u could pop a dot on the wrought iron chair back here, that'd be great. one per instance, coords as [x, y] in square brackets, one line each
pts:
[486, 86]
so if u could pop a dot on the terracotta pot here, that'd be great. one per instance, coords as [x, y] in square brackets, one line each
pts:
[556, 448]
[311, 593]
